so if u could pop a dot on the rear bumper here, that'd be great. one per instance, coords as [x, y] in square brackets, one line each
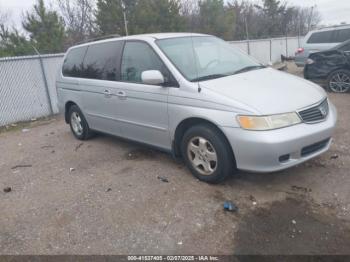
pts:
[262, 151]
[300, 61]
[299, 64]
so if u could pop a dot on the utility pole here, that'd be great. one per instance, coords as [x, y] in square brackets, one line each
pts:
[286, 31]
[311, 17]
[125, 20]
[247, 32]
[299, 32]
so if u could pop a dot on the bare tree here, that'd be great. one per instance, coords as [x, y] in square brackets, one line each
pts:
[189, 7]
[79, 19]
[272, 18]
[190, 10]
[313, 17]
[4, 31]
[4, 16]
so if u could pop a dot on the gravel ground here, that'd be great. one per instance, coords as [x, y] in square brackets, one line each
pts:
[103, 196]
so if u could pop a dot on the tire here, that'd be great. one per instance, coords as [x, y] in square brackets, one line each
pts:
[82, 131]
[200, 144]
[342, 76]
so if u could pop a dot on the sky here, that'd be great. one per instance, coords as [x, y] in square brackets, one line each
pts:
[332, 11]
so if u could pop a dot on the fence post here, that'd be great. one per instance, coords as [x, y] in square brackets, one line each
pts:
[45, 80]
[271, 50]
[248, 46]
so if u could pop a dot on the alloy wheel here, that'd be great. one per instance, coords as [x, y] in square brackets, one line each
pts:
[340, 83]
[76, 124]
[202, 155]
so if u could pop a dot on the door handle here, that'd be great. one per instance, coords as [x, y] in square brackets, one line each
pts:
[121, 94]
[107, 93]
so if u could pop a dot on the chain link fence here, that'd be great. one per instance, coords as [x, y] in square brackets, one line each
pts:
[27, 84]
[27, 87]
[269, 50]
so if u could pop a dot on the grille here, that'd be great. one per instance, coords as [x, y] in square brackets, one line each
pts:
[314, 148]
[316, 113]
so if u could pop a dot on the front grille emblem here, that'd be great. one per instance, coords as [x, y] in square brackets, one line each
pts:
[323, 110]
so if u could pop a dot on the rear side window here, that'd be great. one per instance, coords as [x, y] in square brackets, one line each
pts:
[321, 37]
[73, 64]
[342, 35]
[102, 61]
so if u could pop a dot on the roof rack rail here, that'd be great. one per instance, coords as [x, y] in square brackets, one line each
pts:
[334, 26]
[99, 38]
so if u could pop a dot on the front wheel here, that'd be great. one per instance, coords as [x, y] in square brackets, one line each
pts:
[339, 81]
[207, 154]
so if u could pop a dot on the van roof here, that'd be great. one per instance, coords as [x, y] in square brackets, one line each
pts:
[140, 37]
[329, 28]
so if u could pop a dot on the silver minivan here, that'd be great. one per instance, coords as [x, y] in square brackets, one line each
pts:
[321, 40]
[197, 97]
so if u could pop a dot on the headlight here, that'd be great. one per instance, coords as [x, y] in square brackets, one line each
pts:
[268, 122]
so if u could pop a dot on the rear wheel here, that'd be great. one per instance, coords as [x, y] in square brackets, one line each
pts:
[207, 154]
[339, 81]
[78, 124]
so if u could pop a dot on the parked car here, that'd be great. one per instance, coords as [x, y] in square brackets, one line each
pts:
[331, 68]
[197, 97]
[321, 40]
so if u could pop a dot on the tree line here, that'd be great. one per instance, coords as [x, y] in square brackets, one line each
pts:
[51, 29]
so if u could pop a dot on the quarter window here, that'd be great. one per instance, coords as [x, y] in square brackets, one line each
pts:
[137, 58]
[321, 37]
[102, 61]
[342, 35]
[73, 64]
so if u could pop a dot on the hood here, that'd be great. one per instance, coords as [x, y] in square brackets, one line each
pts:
[268, 91]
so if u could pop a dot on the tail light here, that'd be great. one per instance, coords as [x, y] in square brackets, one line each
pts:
[300, 51]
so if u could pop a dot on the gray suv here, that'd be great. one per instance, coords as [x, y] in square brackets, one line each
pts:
[321, 40]
[197, 97]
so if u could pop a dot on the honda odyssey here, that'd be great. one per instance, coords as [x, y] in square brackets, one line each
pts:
[197, 97]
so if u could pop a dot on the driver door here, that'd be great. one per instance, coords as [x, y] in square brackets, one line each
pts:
[143, 108]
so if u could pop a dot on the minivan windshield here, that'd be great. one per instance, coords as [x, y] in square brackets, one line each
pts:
[201, 58]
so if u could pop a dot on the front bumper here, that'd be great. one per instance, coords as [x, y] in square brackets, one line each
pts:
[262, 151]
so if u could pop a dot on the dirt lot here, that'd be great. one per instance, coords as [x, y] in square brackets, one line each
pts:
[103, 197]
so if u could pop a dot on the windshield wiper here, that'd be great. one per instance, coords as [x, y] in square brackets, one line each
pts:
[248, 68]
[208, 77]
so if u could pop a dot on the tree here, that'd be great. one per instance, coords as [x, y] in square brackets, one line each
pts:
[3, 17]
[142, 16]
[13, 43]
[272, 16]
[157, 16]
[216, 19]
[272, 19]
[45, 28]
[78, 16]
[190, 12]
[109, 15]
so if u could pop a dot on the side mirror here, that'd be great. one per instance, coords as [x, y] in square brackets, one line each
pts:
[152, 77]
